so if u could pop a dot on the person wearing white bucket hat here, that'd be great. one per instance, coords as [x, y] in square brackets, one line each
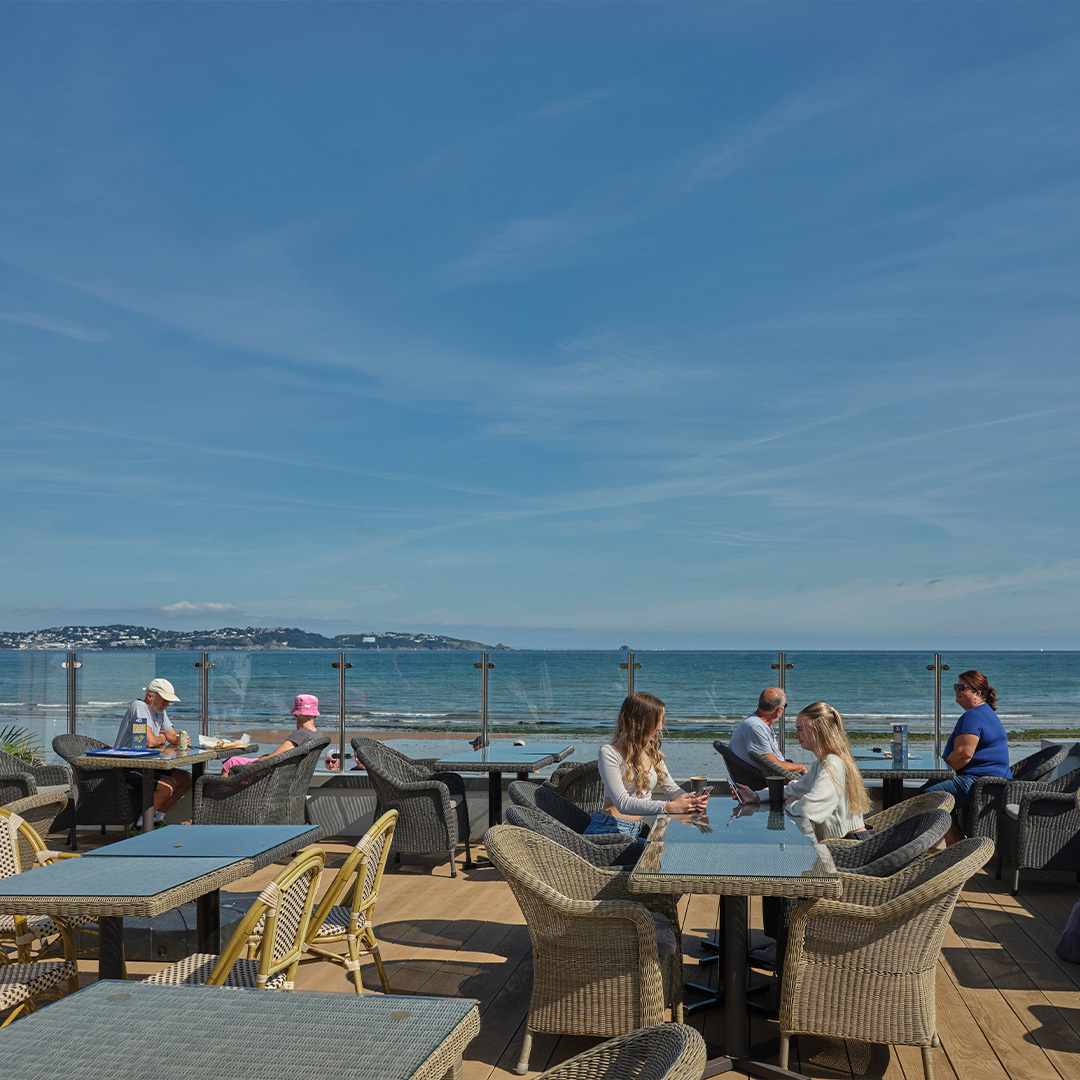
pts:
[171, 784]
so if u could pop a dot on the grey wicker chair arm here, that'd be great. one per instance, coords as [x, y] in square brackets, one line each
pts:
[1047, 803]
[660, 1052]
[16, 785]
[44, 775]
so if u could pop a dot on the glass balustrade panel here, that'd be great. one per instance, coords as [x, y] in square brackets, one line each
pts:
[33, 697]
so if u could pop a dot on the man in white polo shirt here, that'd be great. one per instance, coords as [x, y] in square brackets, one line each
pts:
[171, 784]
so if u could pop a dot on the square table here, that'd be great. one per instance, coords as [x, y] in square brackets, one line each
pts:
[755, 852]
[170, 758]
[893, 771]
[498, 758]
[131, 1031]
[150, 874]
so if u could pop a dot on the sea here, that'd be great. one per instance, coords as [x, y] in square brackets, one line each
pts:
[572, 696]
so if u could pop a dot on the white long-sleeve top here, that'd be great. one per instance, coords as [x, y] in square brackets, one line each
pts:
[821, 797]
[612, 772]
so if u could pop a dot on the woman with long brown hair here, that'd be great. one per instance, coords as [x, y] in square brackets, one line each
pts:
[632, 765]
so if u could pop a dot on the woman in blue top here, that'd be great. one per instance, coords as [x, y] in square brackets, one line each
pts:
[977, 746]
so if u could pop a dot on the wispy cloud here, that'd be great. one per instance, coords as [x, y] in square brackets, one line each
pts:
[54, 326]
[202, 607]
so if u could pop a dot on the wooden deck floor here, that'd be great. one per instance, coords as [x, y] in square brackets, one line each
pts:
[1007, 1006]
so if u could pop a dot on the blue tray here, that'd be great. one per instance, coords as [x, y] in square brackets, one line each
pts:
[110, 752]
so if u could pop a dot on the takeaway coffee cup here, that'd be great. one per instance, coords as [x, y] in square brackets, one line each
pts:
[698, 784]
[777, 787]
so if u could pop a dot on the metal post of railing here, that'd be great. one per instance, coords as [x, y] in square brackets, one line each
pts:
[342, 667]
[937, 667]
[484, 667]
[204, 667]
[72, 665]
[782, 666]
[630, 667]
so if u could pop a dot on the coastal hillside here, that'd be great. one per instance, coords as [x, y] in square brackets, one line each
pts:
[229, 637]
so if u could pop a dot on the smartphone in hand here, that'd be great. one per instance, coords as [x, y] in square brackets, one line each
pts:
[734, 791]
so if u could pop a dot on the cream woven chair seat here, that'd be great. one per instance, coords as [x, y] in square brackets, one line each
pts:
[197, 968]
[21, 983]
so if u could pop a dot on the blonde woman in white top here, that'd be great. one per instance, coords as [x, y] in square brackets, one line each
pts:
[832, 794]
[632, 765]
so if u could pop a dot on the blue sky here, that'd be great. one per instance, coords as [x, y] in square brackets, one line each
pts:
[562, 325]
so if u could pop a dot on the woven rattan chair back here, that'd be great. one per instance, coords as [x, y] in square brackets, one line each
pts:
[357, 883]
[38, 811]
[597, 969]
[268, 791]
[660, 1052]
[879, 944]
[893, 848]
[1040, 764]
[101, 796]
[580, 783]
[278, 919]
[563, 809]
[433, 814]
[927, 800]
[742, 772]
[522, 792]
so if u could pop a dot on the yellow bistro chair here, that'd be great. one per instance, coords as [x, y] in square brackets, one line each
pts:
[283, 908]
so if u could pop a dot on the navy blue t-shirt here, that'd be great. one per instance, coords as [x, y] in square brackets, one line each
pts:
[991, 757]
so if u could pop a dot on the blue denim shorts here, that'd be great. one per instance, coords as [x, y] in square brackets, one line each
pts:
[608, 823]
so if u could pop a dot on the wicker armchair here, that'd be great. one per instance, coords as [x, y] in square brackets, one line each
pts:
[101, 796]
[272, 791]
[928, 800]
[22, 849]
[1040, 829]
[360, 876]
[603, 962]
[624, 853]
[982, 815]
[890, 850]
[864, 967]
[19, 779]
[740, 771]
[283, 910]
[580, 783]
[433, 814]
[660, 1052]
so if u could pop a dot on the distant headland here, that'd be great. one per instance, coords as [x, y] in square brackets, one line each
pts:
[86, 638]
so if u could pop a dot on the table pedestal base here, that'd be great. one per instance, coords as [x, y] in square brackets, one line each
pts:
[737, 1054]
